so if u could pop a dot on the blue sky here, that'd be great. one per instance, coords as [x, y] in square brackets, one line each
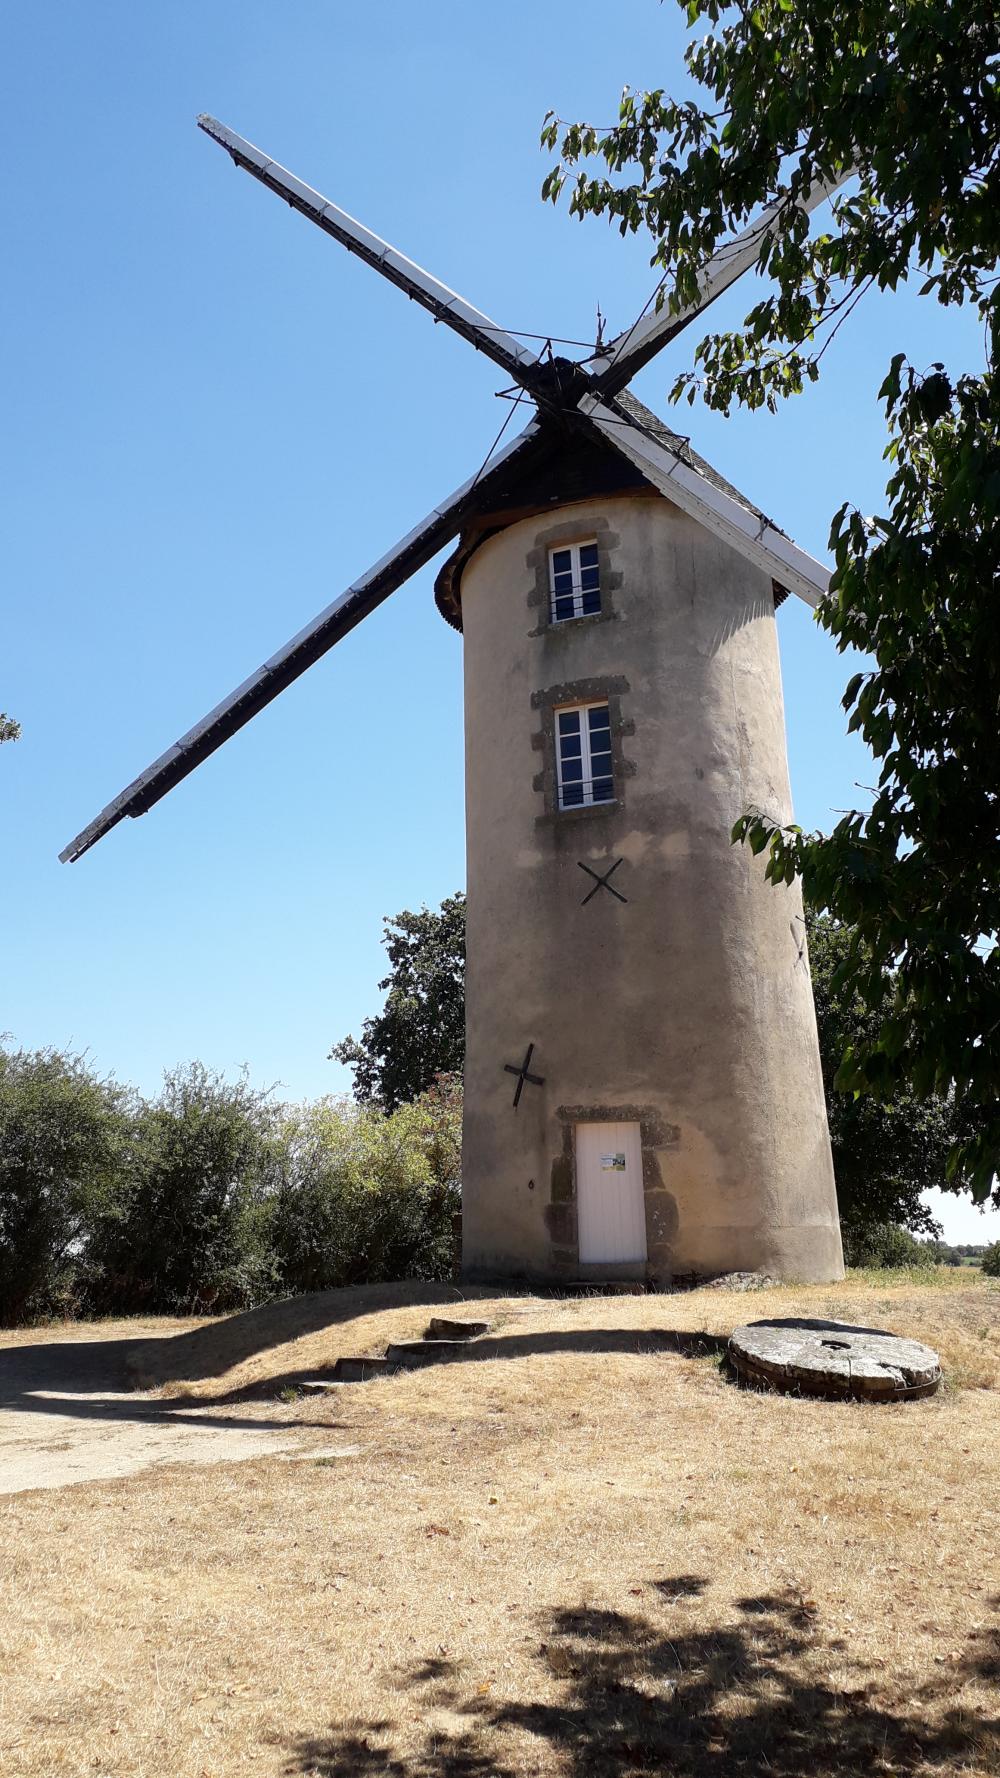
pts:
[216, 420]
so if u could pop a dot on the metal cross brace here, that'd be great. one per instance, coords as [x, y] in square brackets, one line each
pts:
[601, 882]
[537, 1080]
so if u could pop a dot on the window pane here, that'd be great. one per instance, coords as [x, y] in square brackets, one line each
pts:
[569, 722]
[599, 717]
[571, 796]
[574, 580]
[600, 756]
[572, 771]
[602, 790]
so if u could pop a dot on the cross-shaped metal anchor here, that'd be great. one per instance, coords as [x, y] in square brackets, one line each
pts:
[601, 882]
[537, 1080]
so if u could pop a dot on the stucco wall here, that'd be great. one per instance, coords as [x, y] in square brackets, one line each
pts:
[688, 1009]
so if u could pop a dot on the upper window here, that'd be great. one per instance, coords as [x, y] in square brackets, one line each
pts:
[574, 581]
[583, 755]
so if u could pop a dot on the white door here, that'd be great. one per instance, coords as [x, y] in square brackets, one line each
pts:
[611, 1208]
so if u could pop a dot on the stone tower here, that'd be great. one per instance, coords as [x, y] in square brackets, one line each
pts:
[672, 1120]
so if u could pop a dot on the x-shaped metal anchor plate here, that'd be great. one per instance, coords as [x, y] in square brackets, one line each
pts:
[602, 882]
[537, 1080]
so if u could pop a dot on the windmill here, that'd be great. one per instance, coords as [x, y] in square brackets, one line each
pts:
[628, 967]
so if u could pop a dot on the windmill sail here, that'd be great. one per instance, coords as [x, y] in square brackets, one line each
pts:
[657, 456]
[416, 283]
[638, 344]
[318, 637]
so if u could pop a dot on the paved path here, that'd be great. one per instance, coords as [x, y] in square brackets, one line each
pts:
[66, 1417]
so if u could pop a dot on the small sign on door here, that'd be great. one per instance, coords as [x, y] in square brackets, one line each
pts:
[613, 1163]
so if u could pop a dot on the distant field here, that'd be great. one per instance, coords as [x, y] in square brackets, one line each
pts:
[587, 1555]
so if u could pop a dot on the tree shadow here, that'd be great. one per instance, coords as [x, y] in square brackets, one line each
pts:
[635, 1697]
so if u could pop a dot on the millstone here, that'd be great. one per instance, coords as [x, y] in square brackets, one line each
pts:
[833, 1358]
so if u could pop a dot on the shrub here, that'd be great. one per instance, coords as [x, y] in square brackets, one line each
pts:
[211, 1197]
[367, 1196]
[990, 1262]
[884, 1245]
[63, 1138]
[188, 1233]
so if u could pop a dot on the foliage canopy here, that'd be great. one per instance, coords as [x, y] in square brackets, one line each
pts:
[63, 1145]
[906, 95]
[886, 1154]
[420, 1032]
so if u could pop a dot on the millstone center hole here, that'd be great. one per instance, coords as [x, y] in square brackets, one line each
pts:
[837, 1345]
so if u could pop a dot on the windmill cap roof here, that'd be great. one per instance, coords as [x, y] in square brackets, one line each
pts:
[570, 468]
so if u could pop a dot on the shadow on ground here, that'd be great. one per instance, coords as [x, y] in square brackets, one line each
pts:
[636, 1341]
[637, 1697]
[219, 1346]
[91, 1379]
[88, 1380]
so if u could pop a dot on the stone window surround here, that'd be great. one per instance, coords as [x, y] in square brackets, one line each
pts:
[608, 690]
[597, 530]
[560, 1212]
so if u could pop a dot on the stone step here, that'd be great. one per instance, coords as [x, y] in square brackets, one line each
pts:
[413, 1352]
[440, 1327]
[319, 1385]
[358, 1370]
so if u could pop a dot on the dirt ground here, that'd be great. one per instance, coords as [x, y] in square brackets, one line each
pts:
[68, 1413]
[583, 1552]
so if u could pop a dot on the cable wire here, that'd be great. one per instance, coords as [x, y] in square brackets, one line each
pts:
[515, 403]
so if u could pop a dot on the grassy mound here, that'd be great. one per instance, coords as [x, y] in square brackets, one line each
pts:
[268, 1349]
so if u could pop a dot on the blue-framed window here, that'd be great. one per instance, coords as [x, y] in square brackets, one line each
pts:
[583, 755]
[574, 581]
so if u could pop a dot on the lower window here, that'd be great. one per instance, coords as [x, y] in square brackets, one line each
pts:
[583, 755]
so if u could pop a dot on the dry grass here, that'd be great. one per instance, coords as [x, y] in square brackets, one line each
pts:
[82, 1333]
[242, 1353]
[586, 1554]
